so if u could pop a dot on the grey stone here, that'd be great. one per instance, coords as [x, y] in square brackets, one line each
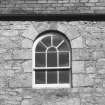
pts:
[21, 80]
[78, 67]
[77, 42]
[22, 54]
[27, 66]
[26, 43]
[30, 32]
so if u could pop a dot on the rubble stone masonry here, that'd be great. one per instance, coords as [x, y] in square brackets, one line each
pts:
[88, 62]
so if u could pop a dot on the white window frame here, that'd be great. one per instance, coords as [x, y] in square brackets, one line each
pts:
[38, 86]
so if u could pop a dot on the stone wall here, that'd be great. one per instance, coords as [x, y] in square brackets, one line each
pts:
[88, 63]
[51, 6]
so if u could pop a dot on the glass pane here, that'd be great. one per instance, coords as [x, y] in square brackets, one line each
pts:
[64, 76]
[63, 58]
[40, 47]
[40, 77]
[52, 59]
[51, 76]
[63, 47]
[40, 59]
[47, 41]
[52, 49]
[57, 40]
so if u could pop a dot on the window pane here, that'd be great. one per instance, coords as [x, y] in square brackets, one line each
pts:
[40, 77]
[40, 47]
[63, 58]
[47, 41]
[51, 49]
[57, 40]
[64, 76]
[63, 47]
[51, 76]
[40, 59]
[52, 59]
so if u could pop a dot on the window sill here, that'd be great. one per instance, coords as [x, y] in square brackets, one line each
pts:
[51, 86]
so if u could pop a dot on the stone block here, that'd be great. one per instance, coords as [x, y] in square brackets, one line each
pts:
[93, 0]
[22, 54]
[90, 66]
[83, 80]
[30, 32]
[27, 43]
[9, 42]
[77, 43]
[82, 54]
[98, 54]
[70, 31]
[19, 25]
[41, 26]
[27, 66]
[21, 80]
[10, 32]
[25, 102]
[78, 67]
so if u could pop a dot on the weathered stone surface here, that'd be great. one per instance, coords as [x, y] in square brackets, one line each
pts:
[88, 65]
[25, 102]
[3, 83]
[77, 42]
[83, 80]
[78, 67]
[26, 43]
[21, 80]
[10, 32]
[71, 31]
[27, 66]
[22, 54]
[40, 26]
[83, 54]
[30, 32]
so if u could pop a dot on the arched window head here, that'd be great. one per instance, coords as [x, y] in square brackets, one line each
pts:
[52, 61]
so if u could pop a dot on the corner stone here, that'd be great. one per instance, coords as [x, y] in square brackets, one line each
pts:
[27, 66]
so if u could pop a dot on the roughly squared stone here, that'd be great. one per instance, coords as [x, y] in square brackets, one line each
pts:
[2, 50]
[6, 42]
[78, 67]
[25, 102]
[21, 80]
[41, 26]
[93, 0]
[22, 54]
[83, 80]
[98, 54]
[81, 54]
[27, 43]
[77, 43]
[100, 64]
[27, 66]
[90, 69]
[30, 32]
[66, 101]
[9, 32]
[19, 25]
[3, 83]
[70, 31]
[52, 25]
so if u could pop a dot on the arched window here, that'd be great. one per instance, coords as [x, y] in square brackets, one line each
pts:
[52, 61]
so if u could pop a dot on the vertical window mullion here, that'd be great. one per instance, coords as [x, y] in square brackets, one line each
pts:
[46, 68]
[57, 66]
[46, 75]
[69, 59]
